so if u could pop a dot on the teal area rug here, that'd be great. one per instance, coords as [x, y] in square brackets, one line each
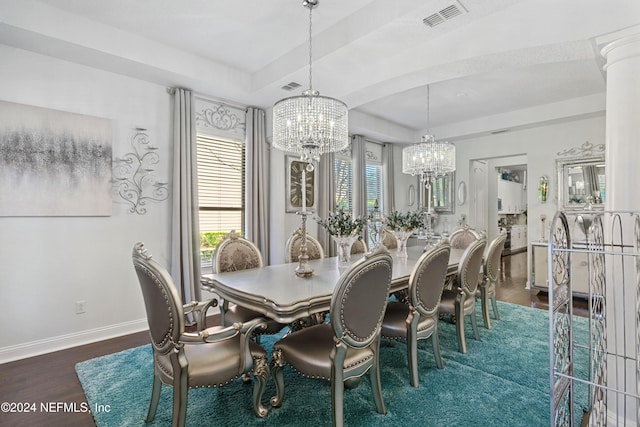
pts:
[503, 380]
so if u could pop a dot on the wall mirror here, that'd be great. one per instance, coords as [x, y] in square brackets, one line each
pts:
[462, 193]
[442, 194]
[581, 181]
[412, 195]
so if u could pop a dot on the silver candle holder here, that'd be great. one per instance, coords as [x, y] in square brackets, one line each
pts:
[303, 269]
[375, 226]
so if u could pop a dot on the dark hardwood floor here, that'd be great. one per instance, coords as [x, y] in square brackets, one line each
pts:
[52, 378]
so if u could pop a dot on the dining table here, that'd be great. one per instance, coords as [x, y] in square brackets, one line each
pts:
[276, 291]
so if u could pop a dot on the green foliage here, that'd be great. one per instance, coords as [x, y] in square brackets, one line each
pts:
[341, 223]
[407, 221]
[211, 239]
[208, 243]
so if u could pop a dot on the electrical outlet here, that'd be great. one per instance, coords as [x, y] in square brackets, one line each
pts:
[81, 307]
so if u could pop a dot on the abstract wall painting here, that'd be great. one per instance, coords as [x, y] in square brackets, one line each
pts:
[53, 163]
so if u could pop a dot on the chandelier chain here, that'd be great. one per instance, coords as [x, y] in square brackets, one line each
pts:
[428, 111]
[310, 48]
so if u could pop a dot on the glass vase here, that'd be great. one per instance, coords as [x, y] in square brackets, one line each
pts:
[344, 244]
[402, 236]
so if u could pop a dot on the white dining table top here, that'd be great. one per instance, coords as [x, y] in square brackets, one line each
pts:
[279, 294]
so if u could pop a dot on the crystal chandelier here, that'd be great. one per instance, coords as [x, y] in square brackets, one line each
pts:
[429, 158]
[309, 124]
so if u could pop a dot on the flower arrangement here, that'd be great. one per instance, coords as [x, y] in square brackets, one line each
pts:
[341, 223]
[403, 221]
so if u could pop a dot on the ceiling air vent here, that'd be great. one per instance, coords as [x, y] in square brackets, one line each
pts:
[291, 86]
[445, 14]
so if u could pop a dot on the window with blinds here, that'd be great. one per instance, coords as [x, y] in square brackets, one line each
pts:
[221, 189]
[343, 172]
[373, 175]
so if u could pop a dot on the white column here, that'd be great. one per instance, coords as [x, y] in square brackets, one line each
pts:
[623, 123]
[622, 193]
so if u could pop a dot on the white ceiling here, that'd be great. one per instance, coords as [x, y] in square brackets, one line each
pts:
[497, 58]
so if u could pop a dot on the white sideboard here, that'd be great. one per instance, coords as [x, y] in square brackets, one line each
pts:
[540, 270]
[518, 238]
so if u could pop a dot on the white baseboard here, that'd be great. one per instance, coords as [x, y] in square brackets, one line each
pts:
[62, 342]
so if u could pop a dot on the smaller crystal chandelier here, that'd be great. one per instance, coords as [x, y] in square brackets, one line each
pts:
[309, 124]
[429, 158]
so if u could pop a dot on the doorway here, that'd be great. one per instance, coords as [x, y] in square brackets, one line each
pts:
[484, 179]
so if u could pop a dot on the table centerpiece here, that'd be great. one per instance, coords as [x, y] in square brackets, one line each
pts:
[401, 225]
[344, 230]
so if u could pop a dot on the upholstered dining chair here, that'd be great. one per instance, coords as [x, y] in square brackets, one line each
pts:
[292, 247]
[418, 319]
[461, 301]
[388, 239]
[487, 288]
[462, 237]
[235, 253]
[212, 357]
[358, 247]
[347, 347]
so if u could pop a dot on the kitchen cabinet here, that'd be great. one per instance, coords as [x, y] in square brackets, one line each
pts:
[511, 198]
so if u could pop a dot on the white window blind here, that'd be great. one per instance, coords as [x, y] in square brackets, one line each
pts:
[221, 186]
[344, 184]
[373, 174]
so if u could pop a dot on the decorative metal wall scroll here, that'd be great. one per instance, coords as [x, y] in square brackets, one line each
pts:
[134, 174]
[585, 150]
[218, 117]
[371, 156]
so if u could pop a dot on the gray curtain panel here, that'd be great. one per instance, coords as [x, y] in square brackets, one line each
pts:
[358, 159]
[185, 230]
[257, 179]
[326, 199]
[359, 181]
[389, 202]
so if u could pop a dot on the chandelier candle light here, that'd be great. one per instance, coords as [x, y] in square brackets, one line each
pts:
[309, 125]
[303, 269]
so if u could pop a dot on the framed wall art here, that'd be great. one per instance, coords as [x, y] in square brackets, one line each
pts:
[293, 182]
[53, 163]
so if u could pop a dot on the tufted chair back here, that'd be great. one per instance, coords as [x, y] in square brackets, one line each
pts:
[292, 248]
[461, 238]
[235, 253]
[359, 300]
